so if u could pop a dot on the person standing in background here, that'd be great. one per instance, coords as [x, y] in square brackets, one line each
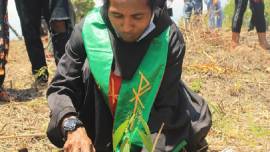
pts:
[57, 13]
[189, 6]
[258, 18]
[170, 7]
[166, 5]
[4, 47]
[215, 13]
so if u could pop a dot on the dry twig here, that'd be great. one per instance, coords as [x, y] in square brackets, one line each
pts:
[156, 140]
[24, 136]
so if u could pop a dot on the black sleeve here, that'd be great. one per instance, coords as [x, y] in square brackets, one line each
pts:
[168, 95]
[185, 114]
[66, 90]
[173, 71]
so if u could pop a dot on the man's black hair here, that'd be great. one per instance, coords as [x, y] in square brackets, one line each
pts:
[151, 3]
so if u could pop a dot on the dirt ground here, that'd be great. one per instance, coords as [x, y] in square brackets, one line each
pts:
[235, 84]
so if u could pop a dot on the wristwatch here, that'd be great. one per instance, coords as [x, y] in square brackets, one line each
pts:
[71, 124]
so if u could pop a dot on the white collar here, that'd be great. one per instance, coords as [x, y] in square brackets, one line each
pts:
[149, 29]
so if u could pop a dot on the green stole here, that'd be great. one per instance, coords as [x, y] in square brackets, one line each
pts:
[136, 96]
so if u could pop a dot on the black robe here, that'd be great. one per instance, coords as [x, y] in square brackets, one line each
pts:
[73, 90]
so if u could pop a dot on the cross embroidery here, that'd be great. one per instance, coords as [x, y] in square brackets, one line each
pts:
[144, 87]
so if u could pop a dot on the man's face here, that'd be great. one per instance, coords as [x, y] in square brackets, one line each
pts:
[129, 18]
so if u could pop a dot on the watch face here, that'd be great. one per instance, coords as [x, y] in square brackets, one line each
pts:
[69, 124]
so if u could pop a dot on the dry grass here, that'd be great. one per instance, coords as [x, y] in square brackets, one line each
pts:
[24, 120]
[236, 84]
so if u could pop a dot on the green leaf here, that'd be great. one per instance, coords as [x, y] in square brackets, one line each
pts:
[145, 125]
[125, 147]
[147, 141]
[180, 146]
[117, 136]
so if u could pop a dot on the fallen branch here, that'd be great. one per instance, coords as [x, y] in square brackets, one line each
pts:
[3, 128]
[24, 136]
[210, 57]
[256, 82]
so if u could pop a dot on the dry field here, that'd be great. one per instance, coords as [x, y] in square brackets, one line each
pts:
[235, 83]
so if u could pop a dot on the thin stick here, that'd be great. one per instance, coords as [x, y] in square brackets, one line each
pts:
[210, 57]
[156, 140]
[24, 136]
[258, 82]
[3, 127]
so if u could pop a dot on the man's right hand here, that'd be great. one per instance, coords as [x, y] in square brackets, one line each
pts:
[78, 141]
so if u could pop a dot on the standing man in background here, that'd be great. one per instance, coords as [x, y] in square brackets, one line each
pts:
[4, 47]
[166, 5]
[215, 14]
[58, 16]
[258, 19]
[192, 5]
